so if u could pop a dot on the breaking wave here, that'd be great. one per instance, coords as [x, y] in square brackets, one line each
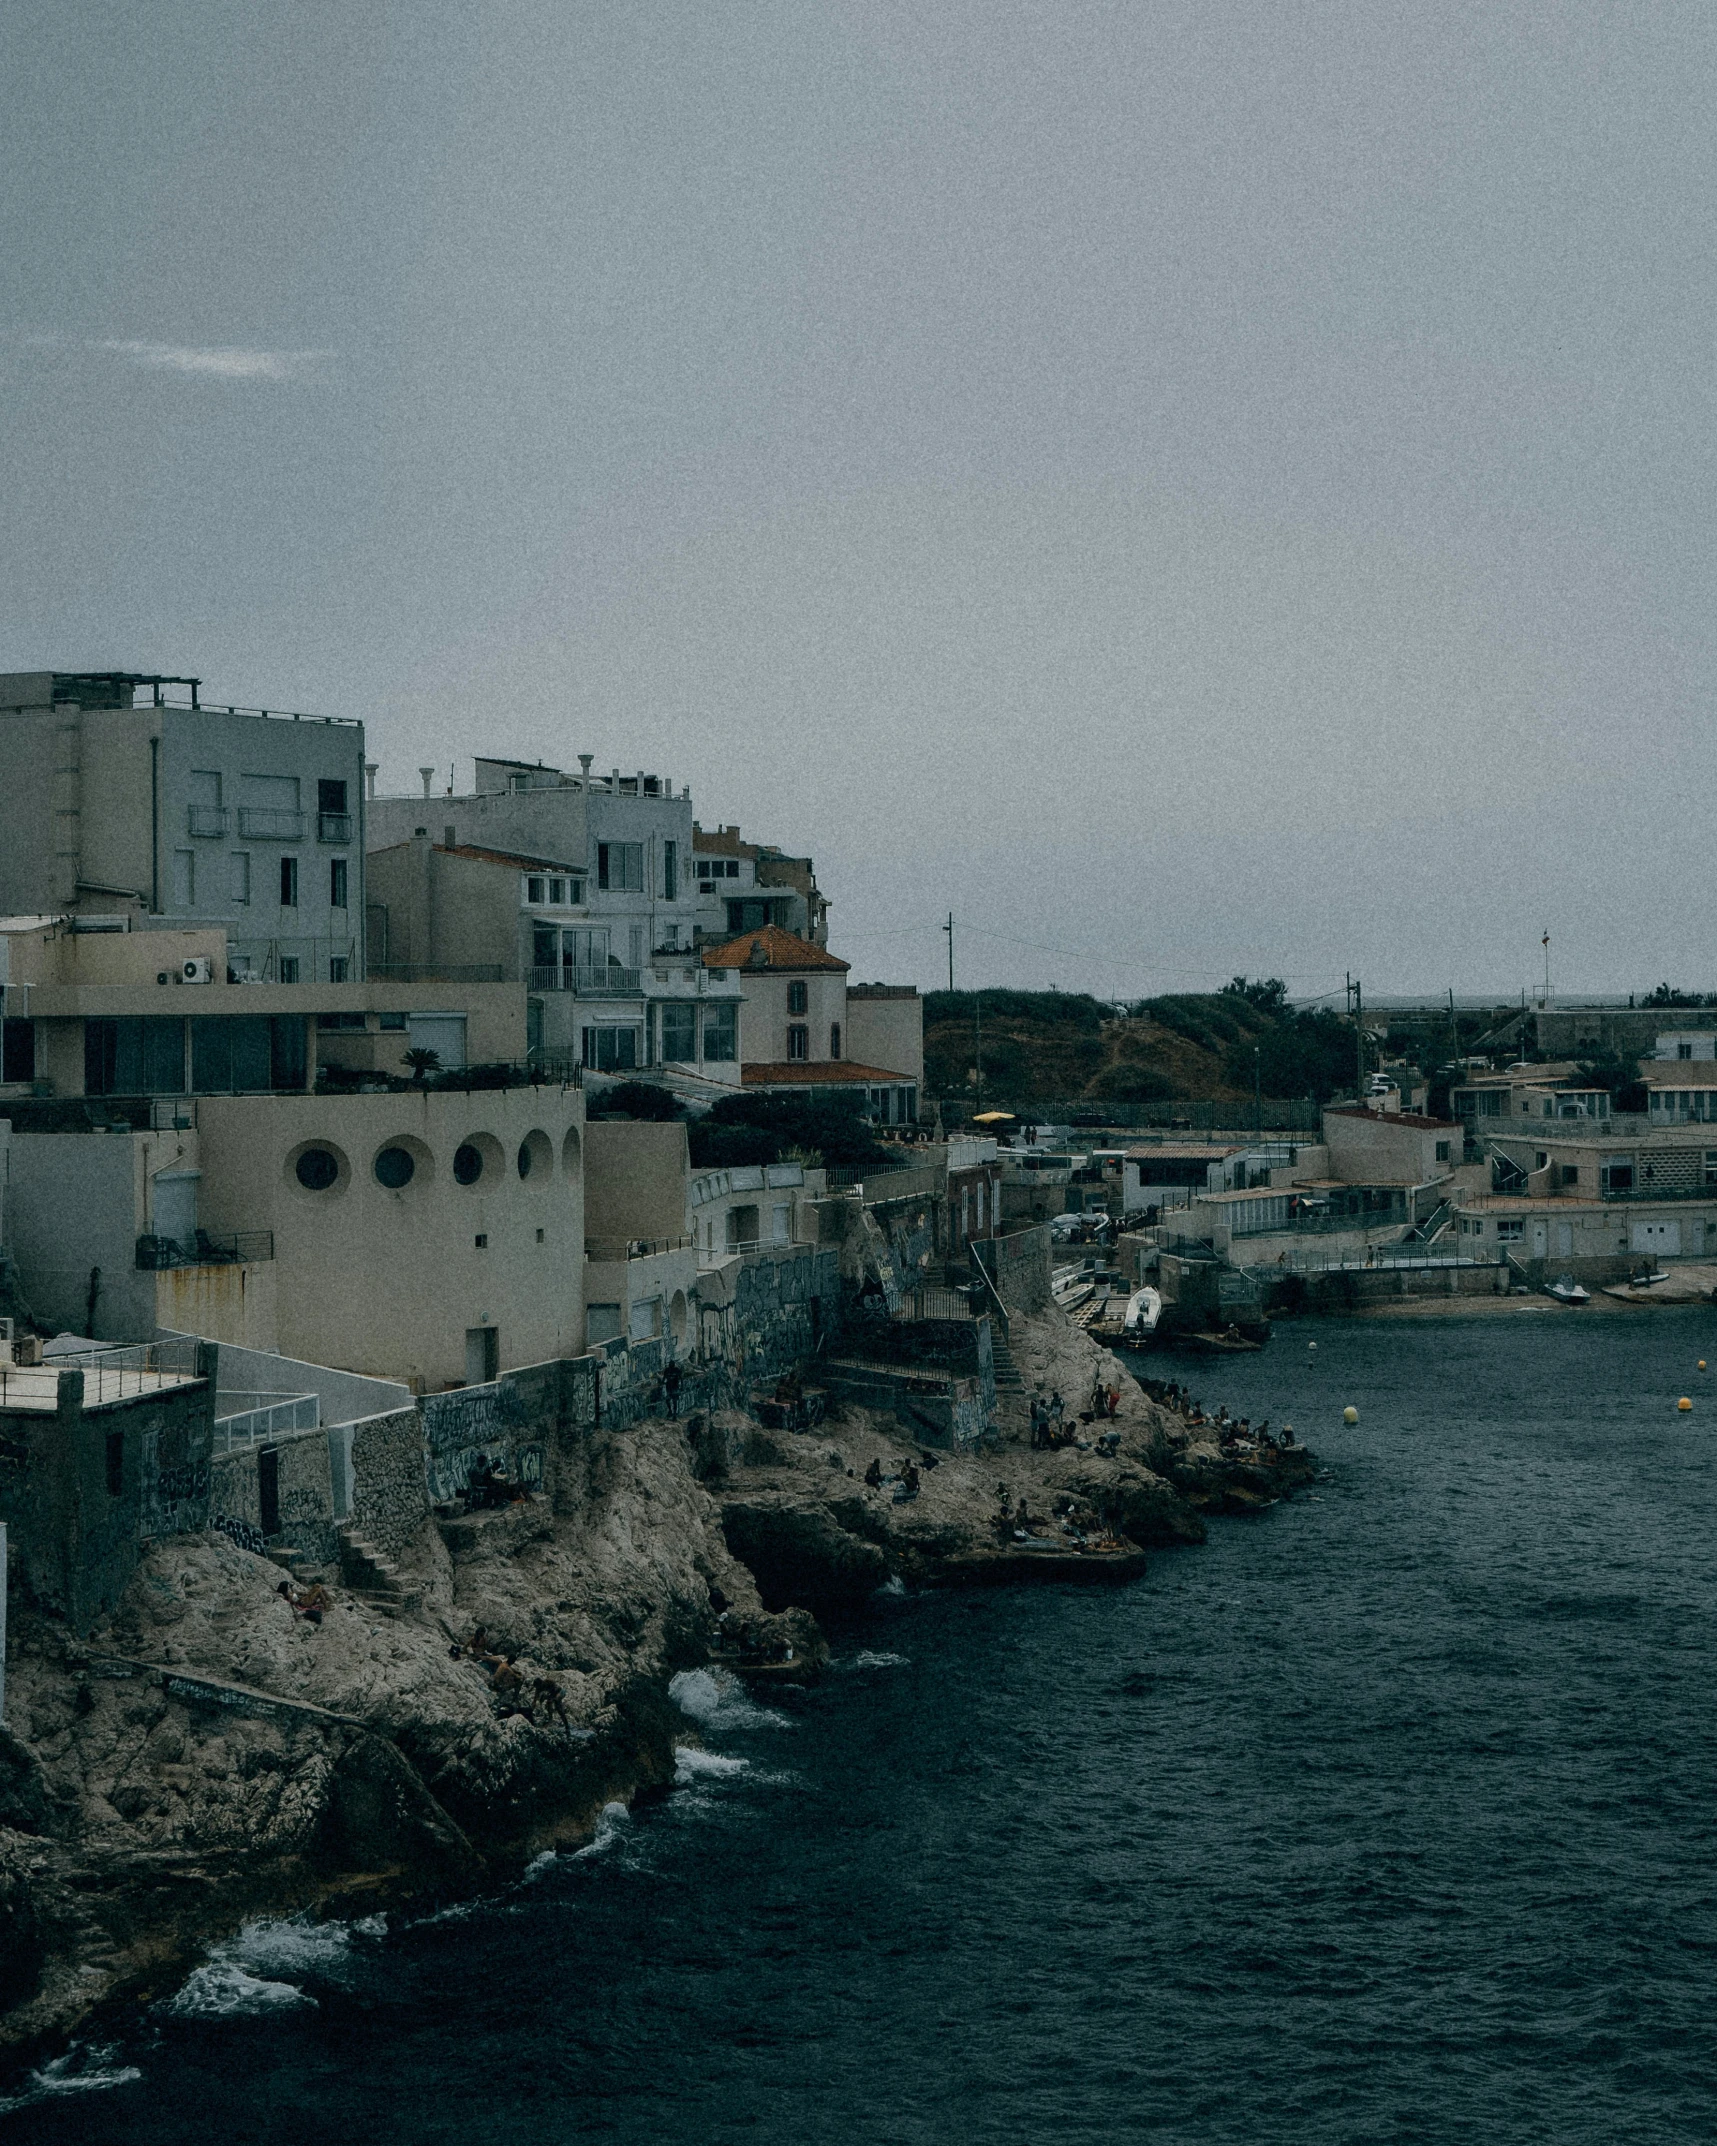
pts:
[716, 1699]
[222, 1990]
[867, 1658]
[611, 1824]
[692, 1765]
[79, 2071]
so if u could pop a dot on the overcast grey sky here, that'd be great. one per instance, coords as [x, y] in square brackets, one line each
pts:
[1190, 488]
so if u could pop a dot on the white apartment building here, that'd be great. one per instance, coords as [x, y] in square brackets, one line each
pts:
[126, 792]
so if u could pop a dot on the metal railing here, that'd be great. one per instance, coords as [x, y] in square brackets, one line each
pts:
[207, 819]
[333, 827]
[221, 1249]
[274, 715]
[265, 823]
[587, 981]
[437, 972]
[109, 1374]
[607, 1251]
[270, 1419]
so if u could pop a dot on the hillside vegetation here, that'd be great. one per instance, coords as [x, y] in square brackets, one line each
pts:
[1053, 1046]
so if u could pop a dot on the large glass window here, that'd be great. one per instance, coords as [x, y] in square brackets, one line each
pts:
[798, 1041]
[620, 866]
[18, 1051]
[798, 996]
[337, 882]
[680, 1032]
[289, 882]
[721, 1032]
[247, 1054]
[611, 1050]
[670, 871]
[138, 1056]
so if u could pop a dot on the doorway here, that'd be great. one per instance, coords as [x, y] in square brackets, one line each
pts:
[268, 1489]
[482, 1355]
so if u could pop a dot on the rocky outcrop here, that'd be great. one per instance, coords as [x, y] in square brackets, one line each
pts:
[208, 1756]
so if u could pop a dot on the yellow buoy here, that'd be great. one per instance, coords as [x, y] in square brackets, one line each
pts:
[1684, 1404]
[1351, 1415]
[1702, 1363]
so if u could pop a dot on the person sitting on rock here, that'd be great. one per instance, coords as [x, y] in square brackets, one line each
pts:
[873, 1474]
[908, 1484]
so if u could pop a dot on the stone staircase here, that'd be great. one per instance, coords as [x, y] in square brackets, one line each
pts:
[372, 1575]
[1008, 1380]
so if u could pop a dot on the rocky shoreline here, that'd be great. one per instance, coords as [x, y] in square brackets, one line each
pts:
[208, 1757]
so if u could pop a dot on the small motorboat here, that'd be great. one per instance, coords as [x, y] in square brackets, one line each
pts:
[1144, 1309]
[1567, 1291]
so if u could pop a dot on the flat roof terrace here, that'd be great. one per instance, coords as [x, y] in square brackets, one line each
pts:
[112, 1378]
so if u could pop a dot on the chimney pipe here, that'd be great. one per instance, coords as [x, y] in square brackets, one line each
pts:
[428, 774]
[371, 769]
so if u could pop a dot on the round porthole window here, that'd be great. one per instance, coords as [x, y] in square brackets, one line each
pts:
[525, 1158]
[317, 1169]
[395, 1167]
[467, 1163]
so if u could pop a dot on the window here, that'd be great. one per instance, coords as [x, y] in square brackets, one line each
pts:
[797, 996]
[184, 878]
[1711, 1166]
[289, 968]
[395, 1168]
[318, 1170]
[670, 871]
[1442, 1145]
[1684, 1050]
[238, 877]
[337, 883]
[834, 1039]
[289, 882]
[721, 1033]
[620, 867]
[330, 795]
[338, 965]
[680, 1033]
[467, 1163]
[611, 1050]
[1509, 1230]
[1616, 1175]
[392, 1021]
[18, 1050]
[1570, 1173]
[798, 1041]
[341, 1023]
[536, 890]
[247, 1054]
[574, 892]
[557, 892]
[134, 1056]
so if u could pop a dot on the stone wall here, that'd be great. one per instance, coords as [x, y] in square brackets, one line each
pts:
[1019, 1266]
[390, 1490]
[306, 1493]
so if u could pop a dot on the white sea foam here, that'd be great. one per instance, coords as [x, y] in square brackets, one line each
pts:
[867, 1659]
[611, 1825]
[718, 1700]
[692, 1765]
[80, 2071]
[222, 1990]
[893, 1585]
[539, 1866]
[294, 1946]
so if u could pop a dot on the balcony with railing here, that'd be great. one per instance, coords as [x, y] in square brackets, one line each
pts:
[266, 823]
[333, 827]
[207, 820]
[230, 1248]
[585, 981]
[603, 1251]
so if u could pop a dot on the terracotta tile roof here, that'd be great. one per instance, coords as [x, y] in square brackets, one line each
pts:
[770, 948]
[496, 856]
[801, 1072]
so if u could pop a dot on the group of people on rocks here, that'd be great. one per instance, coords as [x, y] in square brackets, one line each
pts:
[1050, 1430]
[904, 1477]
[515, 1692]
[1078, 1525]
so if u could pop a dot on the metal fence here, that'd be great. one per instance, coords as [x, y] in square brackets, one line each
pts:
[607, 1251]
[583, 982]
[437, 972]
[269, 1419]
[110, 1374]
[222, 1249]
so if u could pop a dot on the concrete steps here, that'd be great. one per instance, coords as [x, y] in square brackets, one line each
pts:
[1008, 1379]
[371, 1575]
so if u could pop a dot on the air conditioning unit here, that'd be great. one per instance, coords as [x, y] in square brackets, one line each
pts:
[198, 970]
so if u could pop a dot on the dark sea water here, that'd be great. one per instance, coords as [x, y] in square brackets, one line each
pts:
[1388, 1815]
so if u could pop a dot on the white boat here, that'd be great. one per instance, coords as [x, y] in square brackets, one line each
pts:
[1567, 1291]
[1144, 1309]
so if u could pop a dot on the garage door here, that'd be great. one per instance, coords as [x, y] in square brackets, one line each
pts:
[442, 1033]
[1664, 1238]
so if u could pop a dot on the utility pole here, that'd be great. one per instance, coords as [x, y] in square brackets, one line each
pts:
[1547, 972]
[1257, 1096]
[978, 1033]
[1359, 1036]
[949, 929]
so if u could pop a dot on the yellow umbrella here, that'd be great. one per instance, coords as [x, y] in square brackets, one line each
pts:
[994, 1117]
